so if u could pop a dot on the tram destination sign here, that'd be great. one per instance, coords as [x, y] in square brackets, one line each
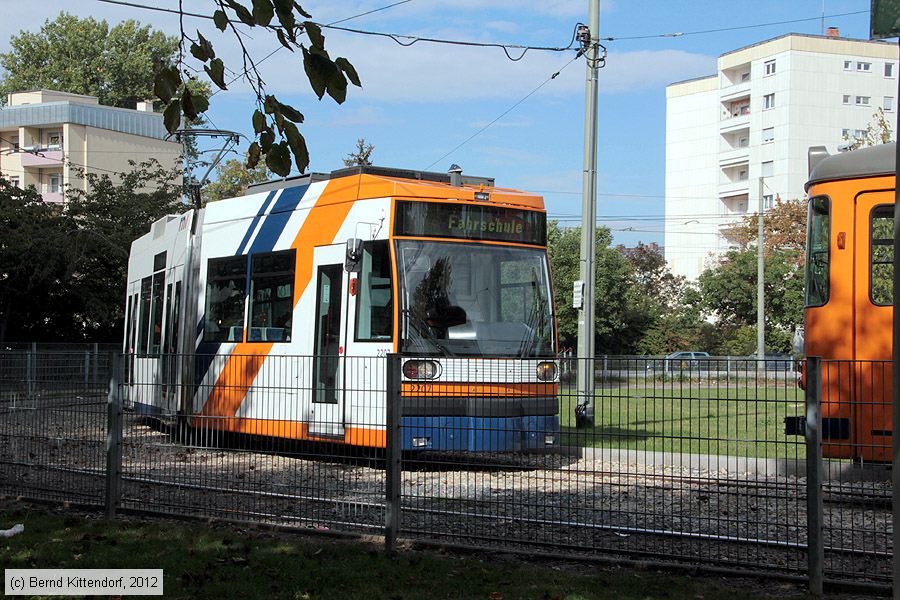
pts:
[470, 222]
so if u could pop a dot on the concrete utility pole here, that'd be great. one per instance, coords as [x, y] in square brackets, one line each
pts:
[585, 381]
[760, 278]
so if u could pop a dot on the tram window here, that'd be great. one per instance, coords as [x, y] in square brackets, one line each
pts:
[271, 296]
[818, 251]
[374, 306]
[881, 256]
[517, 290]
[226, 286]
[127, 343]
[144, 316]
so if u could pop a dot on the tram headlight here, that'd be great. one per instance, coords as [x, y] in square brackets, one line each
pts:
[546, 371]
[421, 369]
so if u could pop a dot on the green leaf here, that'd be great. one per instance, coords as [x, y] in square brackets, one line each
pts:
[266, 140]
[284, 41]
[297, 145]
[263, 12]
[206, 45]
[187, 104]
[312, 64]
[172, 116]
[271, 105]
[301, 11]
[345, 66]
[201, 102]
[337, 84]
[242, 13]
[291, 113]
[216, 72]
[279, 120]
[168, 79]
[253, 155]
[221, 20]
[314, 32]
[278, 159]
[259, 122]
[199, 53]
[285, 11]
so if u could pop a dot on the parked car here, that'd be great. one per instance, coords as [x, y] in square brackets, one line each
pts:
[683, 361]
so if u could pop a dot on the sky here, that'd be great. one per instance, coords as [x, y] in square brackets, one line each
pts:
[420, 102]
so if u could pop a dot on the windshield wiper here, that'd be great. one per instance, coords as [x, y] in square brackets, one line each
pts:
[425, 333]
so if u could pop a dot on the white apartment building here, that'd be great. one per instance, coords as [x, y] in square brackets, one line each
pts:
[46, 136]
[745, 131]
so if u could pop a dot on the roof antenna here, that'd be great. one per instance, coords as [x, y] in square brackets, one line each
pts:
[455, 175]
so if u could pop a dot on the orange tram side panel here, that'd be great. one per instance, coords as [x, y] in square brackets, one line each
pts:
[848, 312]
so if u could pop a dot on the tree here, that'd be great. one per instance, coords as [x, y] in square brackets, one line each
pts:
[612, 271]
[63, 271]
[785, 229]
[361, 156]
[286, 21]
[877, 132]
[84, 56]
[728, 292]
[232, 179]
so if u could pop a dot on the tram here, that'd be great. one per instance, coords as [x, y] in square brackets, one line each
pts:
[272, 314]
[849, 297]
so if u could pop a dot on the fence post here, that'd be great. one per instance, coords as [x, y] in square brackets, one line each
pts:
[814, 476]
[30, 359]
[87, 368]
[94, 364]
[393, 449]
[113, 436]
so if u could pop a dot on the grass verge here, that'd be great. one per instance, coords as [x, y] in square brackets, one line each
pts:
[218, 561]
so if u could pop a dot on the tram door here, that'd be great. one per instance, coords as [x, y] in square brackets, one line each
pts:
[329, 341]
[169, 356]
[873, 318]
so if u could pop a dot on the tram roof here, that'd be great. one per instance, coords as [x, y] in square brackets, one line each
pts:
[877, 161]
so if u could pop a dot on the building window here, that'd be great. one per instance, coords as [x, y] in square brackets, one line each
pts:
[14, 143]
[14, 181]
[769, 101]
[226, 284]
[768, 201]
[845, 133]
[742, 175]
[847, 98]
[770, 67]
[745, 77]
[767, 169]
[888, 69]
[374, 313]
[768, 135]
[889, 104]
[859, 134]
[862, 100]
[54, 139]
[743, 141]
[55, 183]
[865, 67]
[848, 64]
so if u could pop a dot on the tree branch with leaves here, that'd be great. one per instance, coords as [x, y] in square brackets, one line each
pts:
[275, 123]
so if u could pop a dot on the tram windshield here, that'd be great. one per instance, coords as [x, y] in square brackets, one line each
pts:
[463, 299]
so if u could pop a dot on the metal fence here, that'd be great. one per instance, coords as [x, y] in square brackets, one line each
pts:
[688, 465]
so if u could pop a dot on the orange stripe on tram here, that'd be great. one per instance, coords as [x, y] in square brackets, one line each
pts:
[243, 365]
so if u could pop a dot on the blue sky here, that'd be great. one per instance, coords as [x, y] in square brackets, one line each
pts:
[418, 103]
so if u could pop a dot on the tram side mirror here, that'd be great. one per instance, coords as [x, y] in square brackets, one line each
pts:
[353, 257]
[446, 318]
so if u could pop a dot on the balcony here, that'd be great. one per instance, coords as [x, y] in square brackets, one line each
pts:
[733, 157]
[737, 91]
[730, 124]
[733, 188]
[35, 156]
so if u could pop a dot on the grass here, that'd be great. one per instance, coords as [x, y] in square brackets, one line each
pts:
[220, 561]
[689, 416]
